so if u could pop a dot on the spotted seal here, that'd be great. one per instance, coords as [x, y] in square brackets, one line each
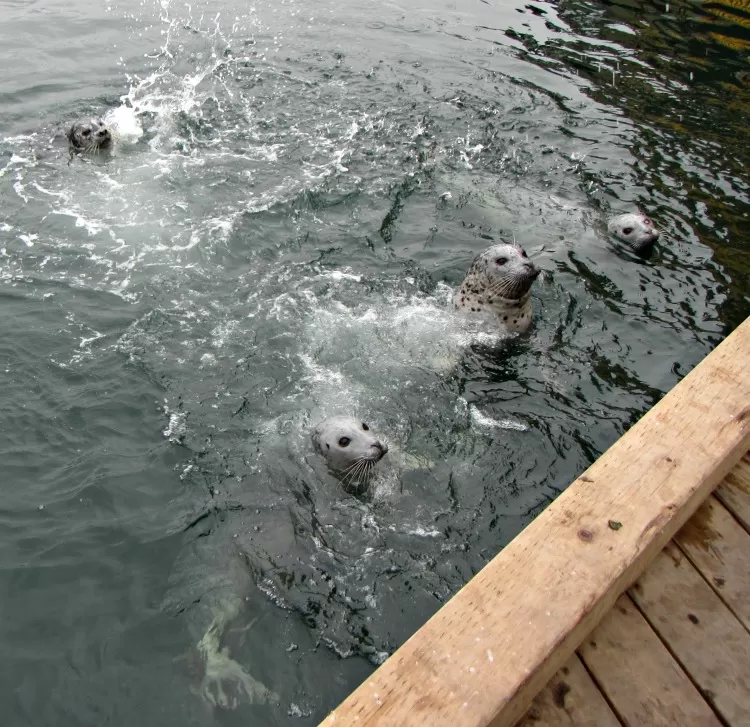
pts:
[90, 136]
[350, 448]
[499, 282]
[635, 230]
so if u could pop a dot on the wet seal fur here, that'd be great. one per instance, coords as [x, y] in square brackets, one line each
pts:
[90, 136]
[499, 282]
[351, 450]
[634, 229]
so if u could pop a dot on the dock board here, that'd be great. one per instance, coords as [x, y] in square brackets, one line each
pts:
[672, 652]
[493, 647]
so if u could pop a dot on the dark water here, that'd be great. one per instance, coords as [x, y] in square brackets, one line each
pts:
[278, 246]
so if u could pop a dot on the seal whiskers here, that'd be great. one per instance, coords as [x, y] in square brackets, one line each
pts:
[359, 472]
[499, 282]
[90, 136]
[350, 450]
[635, 230]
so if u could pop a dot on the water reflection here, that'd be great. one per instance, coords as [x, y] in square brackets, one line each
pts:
[680, 71]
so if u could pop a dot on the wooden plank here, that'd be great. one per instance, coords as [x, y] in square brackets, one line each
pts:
[711, 645]
[485, 655]
[639, 677]
[734, 492]
[570, 699]
[719, 547]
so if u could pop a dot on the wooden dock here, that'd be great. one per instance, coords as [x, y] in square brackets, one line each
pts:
[626, 602]
[675, 649]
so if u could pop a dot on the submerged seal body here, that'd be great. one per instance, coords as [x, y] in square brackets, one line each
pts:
[350, 448]
[90, 135]
[635, 230]
[499, 282]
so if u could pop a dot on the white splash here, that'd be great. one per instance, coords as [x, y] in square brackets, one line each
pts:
[482, 420]
[176, 427]
[125, 122]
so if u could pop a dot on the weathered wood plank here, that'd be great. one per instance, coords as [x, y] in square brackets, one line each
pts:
[734, 492]
[719, 547]
[711, 645]
[484, 656]
[570, 699]
[641, 680]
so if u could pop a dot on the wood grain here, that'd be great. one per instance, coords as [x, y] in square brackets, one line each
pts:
[711, 645]
[485, 655]
[570, 699]
[719, 547]
[642, 681]
[734, 492]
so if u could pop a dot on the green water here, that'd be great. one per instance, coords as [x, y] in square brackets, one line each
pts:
[281, 244]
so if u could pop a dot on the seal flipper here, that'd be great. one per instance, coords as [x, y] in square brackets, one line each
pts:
[209, 586]
[225, 682]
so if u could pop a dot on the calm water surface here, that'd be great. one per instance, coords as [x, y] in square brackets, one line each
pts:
[280, 243]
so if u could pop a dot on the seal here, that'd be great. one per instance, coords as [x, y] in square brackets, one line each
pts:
[499, 282]
[350, 448]
[90, 136]
[635, 230]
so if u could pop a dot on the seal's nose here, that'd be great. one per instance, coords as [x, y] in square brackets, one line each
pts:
[531, 269]
[381, 447]
[646, 246]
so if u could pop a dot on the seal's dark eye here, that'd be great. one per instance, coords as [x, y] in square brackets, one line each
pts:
[365, 427]
[86, 132]
[344, 441]
[627, 230]
[647, 221]
[501, 260]
[523, 253]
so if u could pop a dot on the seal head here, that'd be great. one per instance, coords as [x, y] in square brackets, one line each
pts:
[499, 282]
[350, 448]
[635, 230]
[90, 135]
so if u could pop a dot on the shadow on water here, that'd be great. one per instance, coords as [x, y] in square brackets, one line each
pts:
[282, 244]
